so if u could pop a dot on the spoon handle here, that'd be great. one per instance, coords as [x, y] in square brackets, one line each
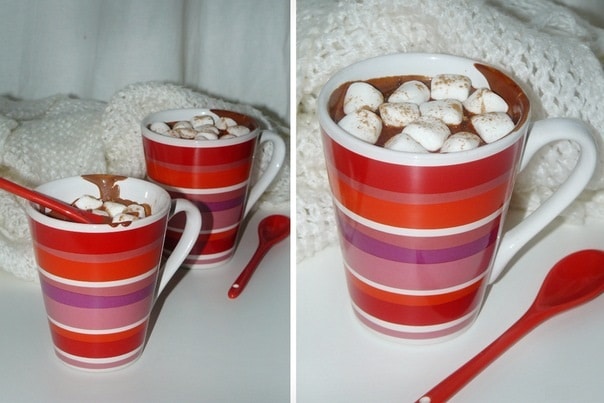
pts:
[49, 202]
[464, 374]
[247, 272]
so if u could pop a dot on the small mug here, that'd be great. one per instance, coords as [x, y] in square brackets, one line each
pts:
[100, 281]
[214, 175]
[422, 234]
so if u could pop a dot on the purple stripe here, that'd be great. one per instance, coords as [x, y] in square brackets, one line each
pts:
[399, 254]
[95, 301]
[207, 205]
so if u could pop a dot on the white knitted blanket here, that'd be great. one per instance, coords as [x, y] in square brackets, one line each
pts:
[60, 136]
[544, 45]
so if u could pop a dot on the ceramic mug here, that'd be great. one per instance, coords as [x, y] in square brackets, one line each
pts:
[421, 234]
[214, 175]
[100, 281]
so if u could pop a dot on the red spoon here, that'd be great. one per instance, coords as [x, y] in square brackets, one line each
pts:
[271, 230]
[66, 210]
[574, 280]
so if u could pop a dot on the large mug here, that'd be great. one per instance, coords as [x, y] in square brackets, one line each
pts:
[213, 174]
[100, 281]
[422, 234]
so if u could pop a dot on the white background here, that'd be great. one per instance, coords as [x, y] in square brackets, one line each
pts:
[236, 50]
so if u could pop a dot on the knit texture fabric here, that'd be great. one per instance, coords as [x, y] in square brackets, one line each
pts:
[60, 136]
[555, 54]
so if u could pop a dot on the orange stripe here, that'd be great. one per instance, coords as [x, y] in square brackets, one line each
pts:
[413, 300]
[198, 180]
[98, 271]
[423, 216]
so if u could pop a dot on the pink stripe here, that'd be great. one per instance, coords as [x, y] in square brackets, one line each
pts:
[419, 335]
[409, 276]
[103, 290]
[98, 319]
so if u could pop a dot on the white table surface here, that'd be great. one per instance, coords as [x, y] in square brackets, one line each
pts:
[339, 360]
[204, 347]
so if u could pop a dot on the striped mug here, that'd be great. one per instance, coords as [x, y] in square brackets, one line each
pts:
[216, 175]
[100, 281]
[422, 234]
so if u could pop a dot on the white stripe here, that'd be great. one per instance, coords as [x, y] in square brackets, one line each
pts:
[209, 231]
[99, 360]
[402, 291]
[98, 331]
[97, 284]
[412, 329]
[424, 233]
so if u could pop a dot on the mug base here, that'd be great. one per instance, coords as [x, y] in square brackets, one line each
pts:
[99, 364]
[417, 336]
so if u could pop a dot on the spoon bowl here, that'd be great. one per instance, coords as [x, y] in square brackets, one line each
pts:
[66, 210]
[271, 230]
[574, 280]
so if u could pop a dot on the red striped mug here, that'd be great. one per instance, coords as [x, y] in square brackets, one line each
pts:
[99, 281]
[215, 175]
[422, 234]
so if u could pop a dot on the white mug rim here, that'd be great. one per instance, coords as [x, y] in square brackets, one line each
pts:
[185, 114]
[160, 210]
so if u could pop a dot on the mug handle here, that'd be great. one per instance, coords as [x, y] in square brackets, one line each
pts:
[544, 132]
[271, 171]
[186, 241]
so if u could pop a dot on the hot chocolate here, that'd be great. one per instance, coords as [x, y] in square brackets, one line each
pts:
[443, 113]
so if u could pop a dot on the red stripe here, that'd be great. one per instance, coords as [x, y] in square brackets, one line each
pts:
[414, 315]
[422, 216]
[419, 179]
[206, 243]
[121, 240]
[98, 345]
[201, 156]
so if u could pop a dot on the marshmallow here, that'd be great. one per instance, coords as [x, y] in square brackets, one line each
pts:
[483, 100]
[238, 130]
[201, 120]
[135, 210]
[159, 127]
[460, 141]
[362, 124]
[225, 122]
[430, 132]
[123, 217]
[404, 142]
[411, 91]
[185, 132]
[184, 124]
[206, 136]
[453, 86]
[113, 208]
[361, 95]
[450, 111]
[228, 136]
[87, 202]
[100, 212]
[398, 114]
[492, 126]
